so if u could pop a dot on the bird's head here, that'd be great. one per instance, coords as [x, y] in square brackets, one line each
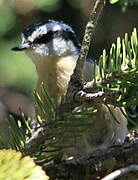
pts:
[51, 38]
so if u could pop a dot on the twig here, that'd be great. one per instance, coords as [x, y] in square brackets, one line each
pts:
[82, 96]
[38, 137]
[33, 142]
[76, 78]
[90, 27]
[120, 172]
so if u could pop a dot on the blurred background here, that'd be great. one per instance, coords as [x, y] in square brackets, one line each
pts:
[16, 69]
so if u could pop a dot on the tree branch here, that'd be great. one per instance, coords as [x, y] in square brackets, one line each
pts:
[75, 83]
[91, 97]
[90, 27]
[37, 138]
[98, 163]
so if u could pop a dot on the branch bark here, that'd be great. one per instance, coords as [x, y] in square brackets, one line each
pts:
[97, 164]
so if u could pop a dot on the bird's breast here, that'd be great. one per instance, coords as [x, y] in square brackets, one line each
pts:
[55, 73]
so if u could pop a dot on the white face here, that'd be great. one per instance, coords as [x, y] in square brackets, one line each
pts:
[56, 47]
[49, 39]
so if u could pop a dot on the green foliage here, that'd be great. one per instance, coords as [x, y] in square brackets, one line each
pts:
[118, 73]
[14, 166]
[67, 126]
[125, 3]
[49, 111]
[118, 70]
[18, 132]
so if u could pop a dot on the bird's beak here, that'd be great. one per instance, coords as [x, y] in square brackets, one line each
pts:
[21, 47]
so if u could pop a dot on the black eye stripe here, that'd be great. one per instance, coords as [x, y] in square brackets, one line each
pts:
[45, 38]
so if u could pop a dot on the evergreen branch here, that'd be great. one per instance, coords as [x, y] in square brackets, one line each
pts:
[117, 74]
[39, 136]
[91, 97]
[53, 133]
[90, 27]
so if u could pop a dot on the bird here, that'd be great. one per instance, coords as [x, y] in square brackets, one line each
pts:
[53, 48]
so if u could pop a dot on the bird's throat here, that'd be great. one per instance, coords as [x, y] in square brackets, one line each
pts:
[55, 73]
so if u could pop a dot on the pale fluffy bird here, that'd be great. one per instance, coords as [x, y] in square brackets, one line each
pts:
[53, 48]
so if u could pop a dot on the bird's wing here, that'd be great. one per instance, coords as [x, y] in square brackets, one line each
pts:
[88, 70]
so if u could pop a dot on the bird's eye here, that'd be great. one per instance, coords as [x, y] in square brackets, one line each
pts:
[45, 38]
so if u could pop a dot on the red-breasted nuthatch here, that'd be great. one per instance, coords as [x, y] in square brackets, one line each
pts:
[53, 48]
